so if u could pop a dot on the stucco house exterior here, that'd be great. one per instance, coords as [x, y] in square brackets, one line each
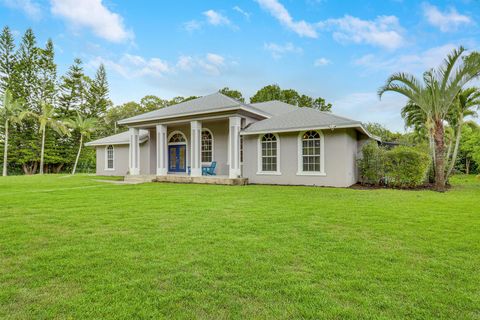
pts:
[267, 143]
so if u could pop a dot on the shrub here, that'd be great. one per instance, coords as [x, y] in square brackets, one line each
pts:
[371, 167]
[405, 167]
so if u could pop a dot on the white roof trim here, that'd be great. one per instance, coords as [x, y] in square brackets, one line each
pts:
[266, 115]
[358, 126]
[90, 144]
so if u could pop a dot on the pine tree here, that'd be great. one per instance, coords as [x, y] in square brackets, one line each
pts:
[25, 86]
[47, 74]
[72, 88]
[98, 101]
[7, 59]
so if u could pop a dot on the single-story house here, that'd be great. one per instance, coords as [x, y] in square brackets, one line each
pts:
[268, 143]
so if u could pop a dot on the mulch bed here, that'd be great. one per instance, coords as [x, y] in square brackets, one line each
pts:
[427, 186]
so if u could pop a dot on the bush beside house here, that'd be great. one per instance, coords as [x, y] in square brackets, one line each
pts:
[401, 167]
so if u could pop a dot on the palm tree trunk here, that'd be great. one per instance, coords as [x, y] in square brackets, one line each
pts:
[78, 155]
[432, 147]
[42, 151]
[449, 151]
[5, 150]
[439, 140]
[455, 149]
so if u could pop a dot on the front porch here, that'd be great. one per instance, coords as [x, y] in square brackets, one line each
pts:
[177, 150]
[183, 178]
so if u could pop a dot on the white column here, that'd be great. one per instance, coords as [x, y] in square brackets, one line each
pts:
[134, 152]
[234, 147]
[162, 152]
[195, 148]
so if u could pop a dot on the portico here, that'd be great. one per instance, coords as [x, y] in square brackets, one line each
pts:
[182, 147]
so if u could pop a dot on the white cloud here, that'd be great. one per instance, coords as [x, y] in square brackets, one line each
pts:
[384, 31]
[415, 63]
[278, 50]
[134, 66]
[185, 63]
[320, 62]
[192, 25]
[215, 59]
[29, 7]
[215, 18]
[279, 12]
[446, 21]
[92, 14]
[242, 12]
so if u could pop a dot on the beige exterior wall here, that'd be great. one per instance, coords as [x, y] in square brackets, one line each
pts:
[340, 160]
[120, 160]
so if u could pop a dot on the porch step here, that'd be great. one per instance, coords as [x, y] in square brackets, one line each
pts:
[203, 179]
[139, 179]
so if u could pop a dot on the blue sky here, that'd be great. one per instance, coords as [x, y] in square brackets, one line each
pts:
[339, 50]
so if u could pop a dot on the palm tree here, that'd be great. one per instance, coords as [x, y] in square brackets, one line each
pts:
[85, 127]
[467, 100]
[11, 114]
[46, 119]
[436, 95]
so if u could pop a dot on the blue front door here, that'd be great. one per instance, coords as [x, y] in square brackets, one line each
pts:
[177, 158]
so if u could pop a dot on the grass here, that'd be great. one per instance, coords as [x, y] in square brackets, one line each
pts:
[74, 248]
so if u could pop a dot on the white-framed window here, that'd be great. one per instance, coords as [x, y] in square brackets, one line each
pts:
[207, 145]
[110, 158]
[311, 155]
[269, 150]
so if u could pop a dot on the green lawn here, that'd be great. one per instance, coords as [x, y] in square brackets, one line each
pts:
[73, 248]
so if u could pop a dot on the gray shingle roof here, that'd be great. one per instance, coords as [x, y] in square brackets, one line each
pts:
[274, 107]
[120, 138]
[300, 118]
[212, 102]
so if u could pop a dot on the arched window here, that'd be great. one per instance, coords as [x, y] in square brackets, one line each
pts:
[269, 155]
[177, 138]
[207, 146]
[311, 152]
[110, 158]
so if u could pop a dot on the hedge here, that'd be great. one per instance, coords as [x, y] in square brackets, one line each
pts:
[403, 167]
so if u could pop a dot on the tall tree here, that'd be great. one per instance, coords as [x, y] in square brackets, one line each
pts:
[72, 90]
[97, 94]
[436, 95]
[46, 118]
[85, 127]
[47, 73]
[234, 94]
[26, 86]
[7, 59]
[9, 113]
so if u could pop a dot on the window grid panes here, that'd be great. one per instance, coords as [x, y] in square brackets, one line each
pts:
[269, 153]
[110, 157]
[241, 149]
[207, 146]
[177, 137]
[311, 151]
